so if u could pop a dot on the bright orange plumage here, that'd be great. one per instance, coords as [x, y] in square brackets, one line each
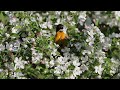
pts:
[61, 36]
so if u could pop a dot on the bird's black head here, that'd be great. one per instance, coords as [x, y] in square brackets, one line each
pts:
[58, 27]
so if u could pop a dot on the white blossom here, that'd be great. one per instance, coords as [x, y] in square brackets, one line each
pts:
[77, 71]
[39, 18]
[72, 77]
[14, 30]
[60, 60]
[1, 70]
[19, 63]
[83, 68]
[7, 35]
[52, 63]
[2, 47]
[76, 63]
[36, 57]
[44, 25]
[84, 59]
[54, 52]
[33, 19]
[57, 70]
[26, 21]
[19, 75]
[98, 69]
[1, 25]
[57, 12]
[49, 25]
[32, 39]
[117, 14]
[82, 17]
[65, 13]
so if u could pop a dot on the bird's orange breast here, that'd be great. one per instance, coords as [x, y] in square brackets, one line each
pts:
[60, 37]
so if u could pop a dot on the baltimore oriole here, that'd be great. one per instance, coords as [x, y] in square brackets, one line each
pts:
[61, 36]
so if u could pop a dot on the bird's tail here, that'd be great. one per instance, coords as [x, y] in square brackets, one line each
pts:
[59, 50]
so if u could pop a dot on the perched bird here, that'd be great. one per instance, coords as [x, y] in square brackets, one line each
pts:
[61, 36]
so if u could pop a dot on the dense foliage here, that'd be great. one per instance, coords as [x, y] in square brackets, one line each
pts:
[28, 51]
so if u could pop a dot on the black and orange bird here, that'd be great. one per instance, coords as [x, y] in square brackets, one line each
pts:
[61, 36]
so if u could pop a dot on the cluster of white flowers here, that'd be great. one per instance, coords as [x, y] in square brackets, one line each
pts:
[107, 44]
[82, 17]
[115, 65]
[90, 32]
[114, 35]
[13, 46]
[100, 55]
[117, 14]
[99, 69]
[39, 17]
[112, 20]
[26, 22]
[36, 57]
[13, 19]
[18, 75]
[46, 33]
[10, 66]
[19, 63]
[63, 64]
